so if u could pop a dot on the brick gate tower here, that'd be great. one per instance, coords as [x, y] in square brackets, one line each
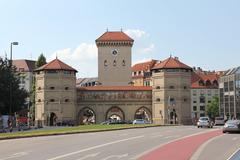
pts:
[114, 59]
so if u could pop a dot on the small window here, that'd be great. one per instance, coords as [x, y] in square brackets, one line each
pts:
[39, 100]
[202, 108]
[194, 101]
[52, 100]
[185, 87]
[209, 101]
[52, 88]
[194, 108]
[171, 87]
[39, 88]
[123, 63]
[66, 100]
[105, 63]
[66, 88]
[114, 63]
[185, 99]
[158, 87]
[158, 99]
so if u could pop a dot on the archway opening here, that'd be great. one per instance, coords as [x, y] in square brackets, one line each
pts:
[143, 113]
[115, 114]
[87, 116]
[53, 119]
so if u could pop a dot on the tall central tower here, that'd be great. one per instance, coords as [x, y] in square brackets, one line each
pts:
[114, 59]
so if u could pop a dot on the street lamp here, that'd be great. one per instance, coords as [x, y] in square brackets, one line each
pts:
[10, 88]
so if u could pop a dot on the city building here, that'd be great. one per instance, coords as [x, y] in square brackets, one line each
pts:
[142, 74]
[229, 86]
[204, 86]
[25, 69]
[59, 100]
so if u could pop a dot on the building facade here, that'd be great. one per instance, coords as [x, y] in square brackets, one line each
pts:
[114, 97]
[229, 86]
[203, 88]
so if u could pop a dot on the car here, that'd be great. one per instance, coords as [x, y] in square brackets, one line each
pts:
[204, 122]
[231, 126]
[219, 121]
[139, 121]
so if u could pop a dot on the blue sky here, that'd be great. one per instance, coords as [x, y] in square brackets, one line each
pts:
[202, 33]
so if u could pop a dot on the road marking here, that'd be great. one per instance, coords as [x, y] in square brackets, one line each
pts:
[157, 136]
[94, 147]
[88, 156]
[16, 155]
[234, 154]
[201, 148]
[234, 138]
[115, 156]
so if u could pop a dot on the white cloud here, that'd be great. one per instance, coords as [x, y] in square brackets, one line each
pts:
[148, 49]
[136, 33]
[84, 51]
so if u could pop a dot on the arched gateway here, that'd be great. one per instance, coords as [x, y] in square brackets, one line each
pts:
[86, 116]
[115, 113]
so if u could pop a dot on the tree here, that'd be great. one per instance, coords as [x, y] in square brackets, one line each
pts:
[9, 81]
[41, 61]
[213, 107]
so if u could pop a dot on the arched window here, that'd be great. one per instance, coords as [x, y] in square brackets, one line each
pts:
[123, 63]
[39, 100]
[114, 63]
[171, 87]
[66, 88]
[52, 100]
[39, 88]
[105, 63]
[52, 88]
[158, 100]
[158, 87]
[66, 100]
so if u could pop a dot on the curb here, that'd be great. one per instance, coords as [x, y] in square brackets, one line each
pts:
[78, 132]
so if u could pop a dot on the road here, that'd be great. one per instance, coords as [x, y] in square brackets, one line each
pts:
[123, 144]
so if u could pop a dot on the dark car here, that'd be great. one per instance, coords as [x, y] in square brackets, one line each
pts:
[232, 126]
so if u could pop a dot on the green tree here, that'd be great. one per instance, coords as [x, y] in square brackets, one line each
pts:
[213, 107]
[9, 81]
[41, 61]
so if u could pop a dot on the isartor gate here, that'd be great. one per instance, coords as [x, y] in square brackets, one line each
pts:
[101, 104]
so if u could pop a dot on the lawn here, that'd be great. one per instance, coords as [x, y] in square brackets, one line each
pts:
[71, 130]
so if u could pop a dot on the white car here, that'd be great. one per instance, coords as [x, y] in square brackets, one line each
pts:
[139, 121]
[219, 121]
[204, 122]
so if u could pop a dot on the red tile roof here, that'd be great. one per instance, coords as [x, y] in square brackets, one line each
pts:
[114, 36]
[171, 63]
[56, 64]
[26, 65]
[201, 76]
[116, 88]
[145, 66]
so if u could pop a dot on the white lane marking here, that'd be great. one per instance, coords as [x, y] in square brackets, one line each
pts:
[156, 136]
[197, 154]
[94, 147]
[115, 156]
[88, 156]
[16, 155]
[163, 144]
[234, 138]
[233, 154]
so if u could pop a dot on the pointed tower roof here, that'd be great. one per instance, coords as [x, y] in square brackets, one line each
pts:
[171, 63]
[56, 64]
[114, 36]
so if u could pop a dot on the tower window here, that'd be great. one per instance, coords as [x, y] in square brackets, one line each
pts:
[66, 100]
[105, 63]
[39, 88]
[66, 88]
[39, 100]
[52, 100]
[123, 63]
[114, 63]
[158, 87]
[171, 87]
[52, 88]
[158, 99]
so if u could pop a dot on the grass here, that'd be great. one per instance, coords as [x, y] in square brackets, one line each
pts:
[70, 130]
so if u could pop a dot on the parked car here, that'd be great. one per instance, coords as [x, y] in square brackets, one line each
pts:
[219, 121]
[232, 126]
[139, 121]
[204, 122]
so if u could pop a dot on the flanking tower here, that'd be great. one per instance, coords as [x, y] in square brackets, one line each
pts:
[171, 92]
[114, 59]
[55, 94]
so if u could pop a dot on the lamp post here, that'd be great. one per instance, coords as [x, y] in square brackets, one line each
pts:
[10, 88]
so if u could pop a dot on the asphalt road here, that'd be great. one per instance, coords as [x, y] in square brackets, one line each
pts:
[123, 144]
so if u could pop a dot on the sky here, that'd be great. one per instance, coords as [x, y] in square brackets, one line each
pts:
[204, 33]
